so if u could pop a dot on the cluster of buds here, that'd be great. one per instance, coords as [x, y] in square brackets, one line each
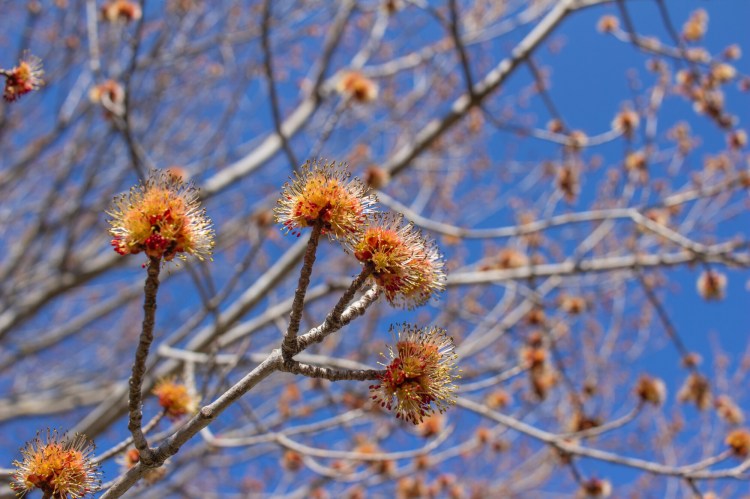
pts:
[111, 96]
[354, 85]
[22, 79]
[411, 486]
[697, 390]
[608, 24]
[722, 73]
[695, 27]
[555, 125]
[536, 316]
[711, 285]
[323, 193]
[405, 265]
[595, 487]
[739, 441]
[175, 398]
[636, 164]
[728, 410]
[292, 461]
[659, 216]
[581, 422]
[532, 239]
[577, 140]
[376, 177]
[402, 263]
[704, 91]
[651, 390]
[369, 447]
[507, 258]
[431, 426]
[498, 399]
[680, 133]
[58, 466]
[447, 485]
[627, 121]
[533, 356]
[163, 218]
[573, 304]
[568, 181]
[419, 377]
[737, 139]
[121, 11]
[393, 6]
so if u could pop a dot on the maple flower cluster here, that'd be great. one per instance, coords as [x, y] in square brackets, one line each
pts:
[324, 193]
[355, 85]
[418, 380]
[121, 11]
[24, 78]
[163, 218]
[175, 398]
[406, 266]
[59, 467]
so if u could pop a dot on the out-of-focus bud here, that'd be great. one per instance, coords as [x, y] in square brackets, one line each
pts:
[651, 390]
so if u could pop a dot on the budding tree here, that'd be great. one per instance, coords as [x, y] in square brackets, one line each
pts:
[390, 248]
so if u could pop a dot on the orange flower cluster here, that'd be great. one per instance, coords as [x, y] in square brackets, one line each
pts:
[163, 218]
[651, 390]
[175, 398]
[110, 95]
[323, 192]
[697, 390]
[696, 26]
[711, 285]
[595, 487]
[739, 441]
[356, 86]
[418, 380]
[406, 265]
[626, 120]
[121, 10]
[59, 467]
[24, 78]
[533, 356]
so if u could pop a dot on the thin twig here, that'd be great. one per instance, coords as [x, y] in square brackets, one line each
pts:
[273, 94]
[288, 347]
[356, 309]
[330, 374]
[333, 322]
[191, 428]
[139, 366]
[118, 448]
[460, 48]
[674, 336]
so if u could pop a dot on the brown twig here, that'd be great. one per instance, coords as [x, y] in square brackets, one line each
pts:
[118, 448]
[333, 321]
[288, 347]
[139, 366]
[318, 334]
[330, 374]
[273, 94]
